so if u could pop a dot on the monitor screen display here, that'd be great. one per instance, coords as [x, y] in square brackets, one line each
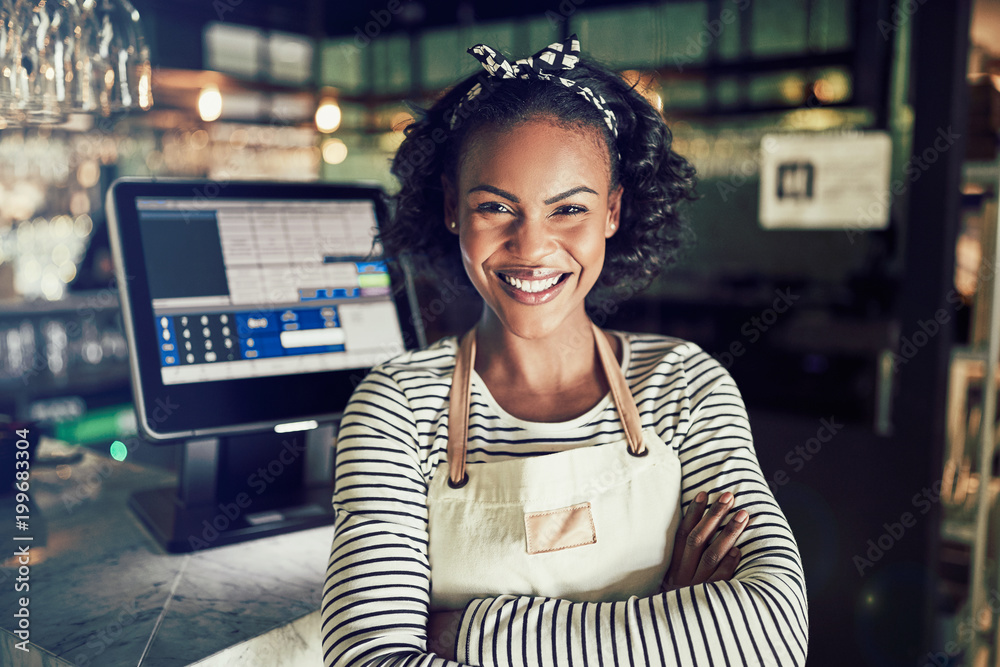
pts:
[262, 304]
[281, 287]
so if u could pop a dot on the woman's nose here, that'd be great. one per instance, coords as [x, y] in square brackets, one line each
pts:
[531, 239]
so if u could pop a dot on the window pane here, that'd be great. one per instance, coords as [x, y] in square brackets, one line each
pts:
[391, 64]
[684, 94]
[730, 18]
[437, 56]
[683, 38]
[541, 32]
[779, 28]
[500, 36]
[830, 29]
[341, 64]
[620, 37]
[233, 49]
[727, 92]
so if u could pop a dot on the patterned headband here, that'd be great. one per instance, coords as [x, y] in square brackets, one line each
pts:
[543, 66]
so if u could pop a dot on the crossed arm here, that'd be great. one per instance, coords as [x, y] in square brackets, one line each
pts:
[376, 598]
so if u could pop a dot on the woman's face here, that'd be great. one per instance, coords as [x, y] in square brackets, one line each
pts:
[533, 208]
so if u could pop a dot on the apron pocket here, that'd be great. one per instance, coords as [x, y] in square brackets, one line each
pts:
[554, 530]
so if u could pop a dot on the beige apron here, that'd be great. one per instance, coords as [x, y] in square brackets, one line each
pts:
[593, 523]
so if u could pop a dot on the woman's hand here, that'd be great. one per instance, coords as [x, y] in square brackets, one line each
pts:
[442, 633]
[697, 557]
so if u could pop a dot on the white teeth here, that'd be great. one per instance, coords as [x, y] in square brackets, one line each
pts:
[532, 286]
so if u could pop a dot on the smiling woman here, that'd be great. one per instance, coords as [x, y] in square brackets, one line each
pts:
[534, 210]
[539, 491]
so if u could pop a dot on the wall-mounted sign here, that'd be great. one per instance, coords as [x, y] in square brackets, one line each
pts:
[825, 181]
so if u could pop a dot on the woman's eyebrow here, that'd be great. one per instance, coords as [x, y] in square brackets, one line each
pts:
[573, 191]
[550, 200]
[496, 191]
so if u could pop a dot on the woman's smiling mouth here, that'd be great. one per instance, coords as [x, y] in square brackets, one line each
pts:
[532, 287]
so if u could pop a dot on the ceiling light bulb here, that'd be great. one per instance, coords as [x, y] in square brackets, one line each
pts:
[334, 151]
[328, 115]
[210, 104]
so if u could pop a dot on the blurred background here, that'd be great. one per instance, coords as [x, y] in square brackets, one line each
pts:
[859, 322]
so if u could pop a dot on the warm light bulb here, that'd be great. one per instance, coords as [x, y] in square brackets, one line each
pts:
[145, 92]
[334, 151]
[328, 115]
[792, 88]
[833, 87]
[210, 104]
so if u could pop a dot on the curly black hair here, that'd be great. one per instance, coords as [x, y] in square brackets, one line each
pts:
[655, 178]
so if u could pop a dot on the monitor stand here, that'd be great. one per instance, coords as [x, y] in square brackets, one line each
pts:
[242, 487]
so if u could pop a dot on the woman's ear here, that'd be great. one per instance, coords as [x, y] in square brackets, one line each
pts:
[614, 212]
[450, 205]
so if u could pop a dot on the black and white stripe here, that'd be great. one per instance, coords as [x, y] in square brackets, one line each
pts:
[394, 434]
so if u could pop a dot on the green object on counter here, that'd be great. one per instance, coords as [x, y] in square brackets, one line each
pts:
[118, 450]
[99, 425]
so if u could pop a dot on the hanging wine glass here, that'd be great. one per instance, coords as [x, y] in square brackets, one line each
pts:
[6, 44]
[113, 70]
[44, 74]
[86, 91]
[9, 57]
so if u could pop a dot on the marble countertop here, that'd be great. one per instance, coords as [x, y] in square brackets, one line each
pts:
[102, 591]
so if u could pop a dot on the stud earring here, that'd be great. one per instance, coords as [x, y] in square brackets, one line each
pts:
[453, 224]
[612, 225]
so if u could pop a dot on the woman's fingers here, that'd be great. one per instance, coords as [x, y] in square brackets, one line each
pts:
[695, 511]
[727, 568]
[700, 537]
[688, 522]
[716, 555]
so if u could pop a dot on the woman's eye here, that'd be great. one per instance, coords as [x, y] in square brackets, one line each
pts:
[570, 209]
[492, 207]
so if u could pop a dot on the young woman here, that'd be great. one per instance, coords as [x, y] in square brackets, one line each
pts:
[514, 496]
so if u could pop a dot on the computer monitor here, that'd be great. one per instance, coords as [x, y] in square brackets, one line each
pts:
[251, 311]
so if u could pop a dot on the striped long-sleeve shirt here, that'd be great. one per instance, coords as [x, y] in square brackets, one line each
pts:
[393, 436]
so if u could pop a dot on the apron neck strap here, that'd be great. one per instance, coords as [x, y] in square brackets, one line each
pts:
[460, 399]
[621, 393]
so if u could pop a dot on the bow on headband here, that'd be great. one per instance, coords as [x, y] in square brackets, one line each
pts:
[543, 66]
